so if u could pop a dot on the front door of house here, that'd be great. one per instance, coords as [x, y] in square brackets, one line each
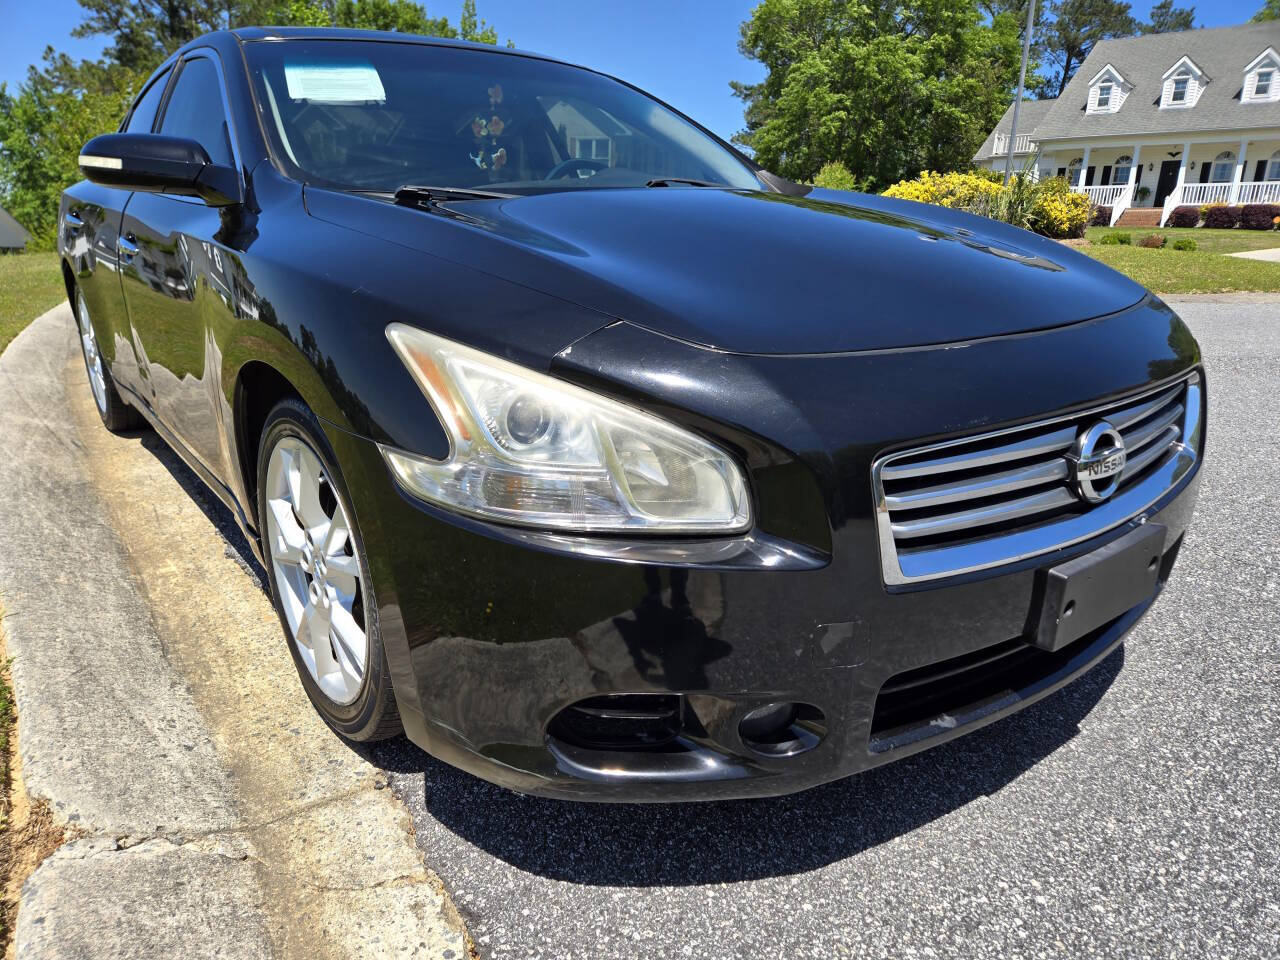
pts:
[1168, 180]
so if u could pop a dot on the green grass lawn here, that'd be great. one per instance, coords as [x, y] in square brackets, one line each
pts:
[1176, 271]
[1207, 241]
[30, 284]
[1206, 269]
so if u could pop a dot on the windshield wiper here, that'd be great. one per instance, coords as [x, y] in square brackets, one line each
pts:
[668, 181]
[412, 195]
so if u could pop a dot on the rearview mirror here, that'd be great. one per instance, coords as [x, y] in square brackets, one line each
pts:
[154, 163]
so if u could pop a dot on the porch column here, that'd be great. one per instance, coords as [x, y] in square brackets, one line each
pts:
[1239, 174]
[1176, 194]
[1084, 168]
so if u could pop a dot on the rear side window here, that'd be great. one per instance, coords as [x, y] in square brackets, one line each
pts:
[144, 114]
[195, 110]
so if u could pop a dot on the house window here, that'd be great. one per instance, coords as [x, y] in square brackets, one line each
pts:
[1180, 83]
[1262, 88]
[592, 148]
[1104, 96]
[1120, 172]
[1273, 166]
[1223, 167]
[1073, 171]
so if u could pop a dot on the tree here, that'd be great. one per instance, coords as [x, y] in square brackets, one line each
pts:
[1166, 18]
[43, 127]
[63, 103]
[993, 8]
[1270, 11]
[888, 89]
[1070, 32]
[144, 32]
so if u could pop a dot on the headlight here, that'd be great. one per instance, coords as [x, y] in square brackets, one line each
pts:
[529, 449]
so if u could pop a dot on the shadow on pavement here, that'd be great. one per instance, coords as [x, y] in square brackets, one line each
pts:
[724, 842]
[217, 512]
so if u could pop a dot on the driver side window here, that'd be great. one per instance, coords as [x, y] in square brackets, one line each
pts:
[195, 110]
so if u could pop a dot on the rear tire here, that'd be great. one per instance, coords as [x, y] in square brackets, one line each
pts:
[116, 415]
[319, 576]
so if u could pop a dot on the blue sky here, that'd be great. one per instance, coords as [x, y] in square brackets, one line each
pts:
[684, 52]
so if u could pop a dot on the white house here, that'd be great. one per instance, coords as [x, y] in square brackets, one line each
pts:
[1150, 123]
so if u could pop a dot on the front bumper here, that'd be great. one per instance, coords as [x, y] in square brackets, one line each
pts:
[491, 634]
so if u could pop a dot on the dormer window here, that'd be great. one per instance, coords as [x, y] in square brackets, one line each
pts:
[1107, 91]
[1262, 78]
[1182, 85]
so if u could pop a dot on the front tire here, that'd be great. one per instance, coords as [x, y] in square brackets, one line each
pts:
[319, 576]
[115, 413]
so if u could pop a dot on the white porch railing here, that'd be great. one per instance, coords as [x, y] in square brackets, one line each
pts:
[1103, 196]
[1198, 194]
[1022, 143]
[1263, 191]
[1117, 196]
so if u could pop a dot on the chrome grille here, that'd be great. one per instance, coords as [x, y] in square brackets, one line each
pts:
[979, 502]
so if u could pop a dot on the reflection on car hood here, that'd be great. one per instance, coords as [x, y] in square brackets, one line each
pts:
[757, 272]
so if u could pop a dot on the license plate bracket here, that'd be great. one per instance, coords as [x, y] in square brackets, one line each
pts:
[1080, 595]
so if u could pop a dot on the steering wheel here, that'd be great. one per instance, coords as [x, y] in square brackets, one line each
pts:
[574, 164]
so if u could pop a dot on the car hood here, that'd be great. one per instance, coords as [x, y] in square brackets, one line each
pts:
[763, 273]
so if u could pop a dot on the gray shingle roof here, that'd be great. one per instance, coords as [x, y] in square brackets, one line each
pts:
[1029, 117]
[1221, 52]
[12, 234]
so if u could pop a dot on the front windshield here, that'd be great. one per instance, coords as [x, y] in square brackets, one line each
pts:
[374, 115]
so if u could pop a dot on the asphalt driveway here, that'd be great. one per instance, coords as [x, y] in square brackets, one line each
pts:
[1134, 814]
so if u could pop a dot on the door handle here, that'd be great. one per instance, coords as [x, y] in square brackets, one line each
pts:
[72, 221]
[126, 247]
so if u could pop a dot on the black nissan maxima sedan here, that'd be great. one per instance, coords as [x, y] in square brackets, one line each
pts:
[602, 462]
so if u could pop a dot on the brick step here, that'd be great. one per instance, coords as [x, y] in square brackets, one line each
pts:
[1149, 217]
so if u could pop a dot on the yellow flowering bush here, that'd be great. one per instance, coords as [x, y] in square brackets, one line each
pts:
[1051, 208]
[958, 190]
[1059, 212]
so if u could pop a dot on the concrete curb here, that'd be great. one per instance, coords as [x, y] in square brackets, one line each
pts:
[124, 752]
[160, 717]
[1248, 297]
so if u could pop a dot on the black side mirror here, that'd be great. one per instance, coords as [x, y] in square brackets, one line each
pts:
[154, 163]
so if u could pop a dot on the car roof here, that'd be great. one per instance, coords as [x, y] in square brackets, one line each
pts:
[245, 34]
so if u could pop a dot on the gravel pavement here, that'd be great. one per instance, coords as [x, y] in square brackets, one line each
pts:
[1133, 814]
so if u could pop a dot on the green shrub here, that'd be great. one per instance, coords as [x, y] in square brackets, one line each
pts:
[1183, 243]
[1014, 204]
[836, 176]
[1152, 241]
[986, 173]
[1116, 239]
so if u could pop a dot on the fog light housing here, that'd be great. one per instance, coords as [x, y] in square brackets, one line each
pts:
[783, 729]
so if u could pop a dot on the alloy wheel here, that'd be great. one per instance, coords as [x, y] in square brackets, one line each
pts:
[92, 358]
[314, 560]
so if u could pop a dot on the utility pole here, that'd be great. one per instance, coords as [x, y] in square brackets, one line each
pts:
[1017, 101]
